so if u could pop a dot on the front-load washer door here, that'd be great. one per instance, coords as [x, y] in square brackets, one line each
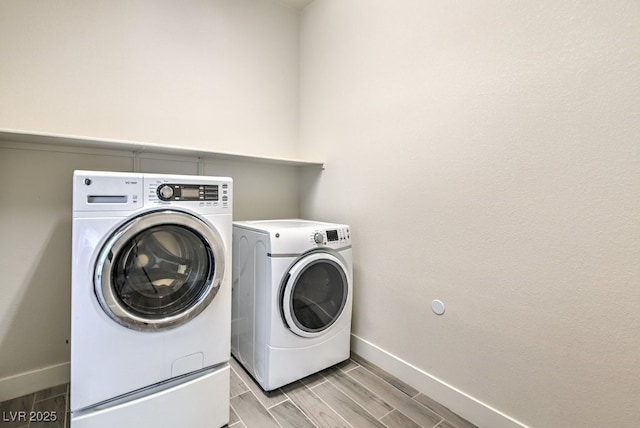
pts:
[314, 294]
[159, 270]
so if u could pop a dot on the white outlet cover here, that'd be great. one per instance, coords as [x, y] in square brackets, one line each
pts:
[438, 307]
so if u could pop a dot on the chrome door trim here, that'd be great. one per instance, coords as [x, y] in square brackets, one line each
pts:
[292, 276]
[112, 305]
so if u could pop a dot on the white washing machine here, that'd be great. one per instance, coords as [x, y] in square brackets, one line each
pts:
[150, 300]
[292, 298]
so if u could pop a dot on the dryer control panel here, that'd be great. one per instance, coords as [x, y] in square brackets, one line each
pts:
[332, 237]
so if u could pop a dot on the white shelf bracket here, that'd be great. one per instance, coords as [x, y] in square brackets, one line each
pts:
[136, 160]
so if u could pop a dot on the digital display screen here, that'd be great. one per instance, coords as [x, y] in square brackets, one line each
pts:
[332, 235]
[190, 193]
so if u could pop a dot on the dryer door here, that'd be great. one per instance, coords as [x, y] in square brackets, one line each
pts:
[159, 270]
[315, 294]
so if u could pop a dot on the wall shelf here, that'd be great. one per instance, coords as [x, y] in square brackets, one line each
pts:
[18, 137]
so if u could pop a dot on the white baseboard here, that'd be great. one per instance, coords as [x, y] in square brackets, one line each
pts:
[457, 401]
[33, 381]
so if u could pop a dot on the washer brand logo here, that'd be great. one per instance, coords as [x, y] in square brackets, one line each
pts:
[130, 182]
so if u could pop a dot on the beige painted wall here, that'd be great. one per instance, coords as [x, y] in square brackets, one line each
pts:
[213, 74]
[486, 154]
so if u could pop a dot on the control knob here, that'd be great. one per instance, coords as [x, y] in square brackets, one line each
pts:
[165, 192]
[318, 238]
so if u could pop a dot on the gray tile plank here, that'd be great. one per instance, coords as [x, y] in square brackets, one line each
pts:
[251, 412]
[345, 406]
[443, 411]
[268, 399]
[361, 395]
[402, 386]
[53, 409]
[409, 407]
[289, 416]
[315, 409]
[51, 392]
[396, 419]
[237, 385]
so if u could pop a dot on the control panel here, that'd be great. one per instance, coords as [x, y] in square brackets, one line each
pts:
[332, 237]
[191, 192]
[212, 194]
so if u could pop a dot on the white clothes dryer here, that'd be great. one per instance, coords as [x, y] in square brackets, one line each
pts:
[150, 300]
[292, 298]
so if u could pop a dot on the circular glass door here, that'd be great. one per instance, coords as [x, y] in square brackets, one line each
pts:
[159, 270]
[315, 294]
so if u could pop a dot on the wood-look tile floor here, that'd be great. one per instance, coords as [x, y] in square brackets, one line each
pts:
[354, 393]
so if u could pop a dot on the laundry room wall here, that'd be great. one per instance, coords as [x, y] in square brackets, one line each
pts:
[486, 154]
[210, 74]
[220, 75]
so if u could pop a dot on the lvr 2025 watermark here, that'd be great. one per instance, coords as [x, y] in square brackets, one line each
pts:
[23, 416]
